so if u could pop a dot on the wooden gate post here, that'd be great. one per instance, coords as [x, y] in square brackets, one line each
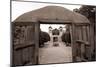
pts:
[37, 27]
[91, 41]
[12, 62]
[73, 43]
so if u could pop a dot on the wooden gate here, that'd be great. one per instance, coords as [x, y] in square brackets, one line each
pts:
[81, 42]
[25, 43]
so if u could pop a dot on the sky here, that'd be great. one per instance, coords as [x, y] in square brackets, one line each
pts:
[18, 8]
[91, 2]
[45, 27]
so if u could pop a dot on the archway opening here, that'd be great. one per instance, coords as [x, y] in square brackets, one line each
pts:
[55, 43]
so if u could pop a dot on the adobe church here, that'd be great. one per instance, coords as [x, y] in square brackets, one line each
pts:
[55, 34]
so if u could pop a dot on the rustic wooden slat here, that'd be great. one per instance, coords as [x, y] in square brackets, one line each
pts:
[78, 48]
[23, 23]
[12, 44]
[32, 55]
[91, 41]
[84, 33]
[21, 46]
[77, 32]
[30, 32]
[23, 29]
[18, 57]
[27, 35]
[36, 41]
[80, 33]
[82, 24]
[82, 50]
[87, 48]
[73, 43]
[87, 33]
[25, 56]
[53, 21]
[82, 47]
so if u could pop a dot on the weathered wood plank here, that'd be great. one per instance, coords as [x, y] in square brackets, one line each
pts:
[84, 33]
[32, 55]
[25, 56]
[73, 43]
[92, 37]
[37, 29]
[18, 57]
[23, 23]
[87, 33]
[77, 37]
[24, 45]
[80, 33]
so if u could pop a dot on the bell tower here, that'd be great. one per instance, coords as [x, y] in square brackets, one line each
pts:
[50, 30]
[50, 33]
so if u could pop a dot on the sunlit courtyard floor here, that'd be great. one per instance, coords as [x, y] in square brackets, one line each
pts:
[55, 54]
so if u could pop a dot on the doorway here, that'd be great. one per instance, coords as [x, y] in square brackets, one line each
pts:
[55, 39]
[54, 49]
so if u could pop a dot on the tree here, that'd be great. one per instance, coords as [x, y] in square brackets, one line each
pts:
[88, 11]
[44, 37]
[66, 37]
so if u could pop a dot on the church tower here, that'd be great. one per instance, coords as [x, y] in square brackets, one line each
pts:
[61, 32]
[50, 33]
[50, 30]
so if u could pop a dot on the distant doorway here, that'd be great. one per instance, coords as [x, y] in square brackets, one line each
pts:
[55, 39]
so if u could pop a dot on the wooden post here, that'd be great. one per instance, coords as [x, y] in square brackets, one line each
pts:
[37, 27]
[82, 50]
[12, 45]
[91, 41]
[73, 43]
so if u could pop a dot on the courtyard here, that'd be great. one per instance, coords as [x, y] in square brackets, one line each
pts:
[55, 54]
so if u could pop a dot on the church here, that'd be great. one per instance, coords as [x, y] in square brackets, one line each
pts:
[55, 34]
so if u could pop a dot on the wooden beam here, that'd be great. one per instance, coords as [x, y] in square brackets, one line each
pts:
[23, 23]
[37, 28]
[54, 21]
[91, 41]
[73, 43]
[12, 45]
[23, 45]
